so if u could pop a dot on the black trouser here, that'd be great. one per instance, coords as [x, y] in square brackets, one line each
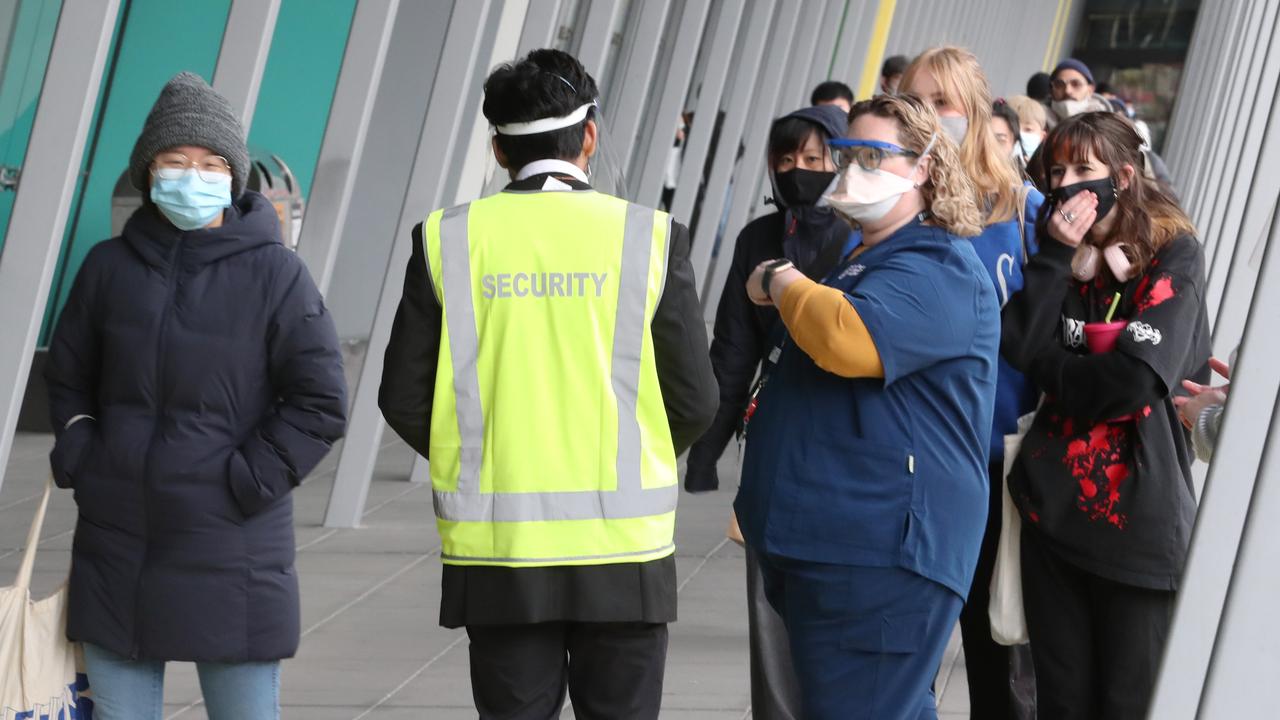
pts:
[1096, 643]
[986, 662]
[612, 671]
[775, 692]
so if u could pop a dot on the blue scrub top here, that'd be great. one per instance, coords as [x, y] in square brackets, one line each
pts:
[1001, 249]
[885, 472]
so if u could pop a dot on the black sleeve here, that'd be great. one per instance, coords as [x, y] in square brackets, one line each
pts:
[736, 349]
[71, 376]
[409, 369]
[1030, 320]
[1096, 387]
[680, 349]
[305, 366]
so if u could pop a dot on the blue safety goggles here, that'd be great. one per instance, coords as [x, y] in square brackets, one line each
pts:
[866, 154]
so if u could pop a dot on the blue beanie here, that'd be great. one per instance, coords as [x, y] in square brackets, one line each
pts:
[1074, 64]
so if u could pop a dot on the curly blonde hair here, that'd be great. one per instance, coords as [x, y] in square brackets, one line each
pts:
[948, 192]
[957, 72]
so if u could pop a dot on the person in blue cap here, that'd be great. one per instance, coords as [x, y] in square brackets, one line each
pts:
[1074, 91]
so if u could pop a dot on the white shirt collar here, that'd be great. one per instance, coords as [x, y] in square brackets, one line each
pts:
[538, 167]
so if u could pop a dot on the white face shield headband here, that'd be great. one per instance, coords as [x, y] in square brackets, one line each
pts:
[534, 127]
[604, 171]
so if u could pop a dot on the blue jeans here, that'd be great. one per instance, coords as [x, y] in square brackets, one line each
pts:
[124, 689]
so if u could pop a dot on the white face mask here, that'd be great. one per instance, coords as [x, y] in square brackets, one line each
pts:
[1068, 108]
[868, 195]
[1030, 141]
[956, 127]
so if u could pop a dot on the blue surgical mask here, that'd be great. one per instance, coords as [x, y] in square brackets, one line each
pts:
[189, 201]
[1030, 141]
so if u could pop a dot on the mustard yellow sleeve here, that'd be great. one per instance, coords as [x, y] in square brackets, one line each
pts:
[825, 325]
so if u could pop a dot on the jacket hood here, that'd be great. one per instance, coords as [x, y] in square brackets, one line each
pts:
[833, 121]
[813, 232]
[249, 223]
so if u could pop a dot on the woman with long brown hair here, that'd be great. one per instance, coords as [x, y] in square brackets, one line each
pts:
[1111, 320]
[953, 82]
[863, 486]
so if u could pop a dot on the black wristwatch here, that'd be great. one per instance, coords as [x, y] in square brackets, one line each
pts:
[770, 270]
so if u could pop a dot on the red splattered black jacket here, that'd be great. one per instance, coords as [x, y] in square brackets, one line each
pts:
[1105, 471]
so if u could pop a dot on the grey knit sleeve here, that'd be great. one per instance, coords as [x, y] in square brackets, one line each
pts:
[1205, 434]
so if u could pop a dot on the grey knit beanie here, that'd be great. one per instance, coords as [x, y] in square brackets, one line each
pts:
[189, 112]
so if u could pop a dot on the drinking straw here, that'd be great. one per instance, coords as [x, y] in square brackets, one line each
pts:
[1115, 303]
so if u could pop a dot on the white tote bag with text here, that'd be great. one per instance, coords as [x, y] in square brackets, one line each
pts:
[37, 662]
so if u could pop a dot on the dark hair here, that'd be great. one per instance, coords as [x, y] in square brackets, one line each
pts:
[1039, 86]
[895, 65]
[546, 83]
[1147, 216]
[1001, 109]
[1103, 88]
[831, 90]
[790, 134]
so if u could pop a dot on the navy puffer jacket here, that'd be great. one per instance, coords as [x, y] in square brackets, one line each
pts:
[211, 370]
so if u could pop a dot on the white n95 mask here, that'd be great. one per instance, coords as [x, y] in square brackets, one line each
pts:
[868, 195]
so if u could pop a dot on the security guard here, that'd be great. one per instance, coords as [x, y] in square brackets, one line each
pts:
[549, 358]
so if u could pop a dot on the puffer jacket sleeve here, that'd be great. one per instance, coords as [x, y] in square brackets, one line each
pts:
[305, 364]
[74, 362]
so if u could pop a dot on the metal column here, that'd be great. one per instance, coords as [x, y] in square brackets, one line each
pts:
[1239, 496]
[651, 161]
[751, 169]
[344, 136]
[726, 156]
[1220, 223]
[597, 36]
[246, 42]
[1238, 100]
[824, 50]
[698, 140]
[854, 30]
[49, 175]
[627, 98]
[539, 26]
[436, 150]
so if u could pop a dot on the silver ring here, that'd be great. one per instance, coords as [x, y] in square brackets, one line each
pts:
[1069, 217]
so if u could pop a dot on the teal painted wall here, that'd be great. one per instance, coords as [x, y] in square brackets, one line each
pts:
[31, 37]
[161, 38]
[298, 83]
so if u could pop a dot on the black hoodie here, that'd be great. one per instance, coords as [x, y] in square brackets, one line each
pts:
[811, 237]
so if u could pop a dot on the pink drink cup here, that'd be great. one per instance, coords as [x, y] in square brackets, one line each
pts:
[1102, 337]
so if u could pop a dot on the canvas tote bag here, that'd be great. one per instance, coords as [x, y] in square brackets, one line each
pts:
[37, 663]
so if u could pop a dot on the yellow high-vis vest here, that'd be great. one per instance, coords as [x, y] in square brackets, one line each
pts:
[549, 437]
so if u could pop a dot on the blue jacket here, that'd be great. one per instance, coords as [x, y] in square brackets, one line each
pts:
[213, 372]
[885, 472]
[1001, 251]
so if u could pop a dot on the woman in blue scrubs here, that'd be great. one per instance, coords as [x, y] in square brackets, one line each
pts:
[866, 499]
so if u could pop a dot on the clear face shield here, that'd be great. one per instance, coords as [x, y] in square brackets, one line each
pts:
[604, 171]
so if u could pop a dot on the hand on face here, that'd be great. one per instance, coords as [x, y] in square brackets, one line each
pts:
[1071, 221]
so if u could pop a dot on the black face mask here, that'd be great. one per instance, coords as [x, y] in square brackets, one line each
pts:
[1105, 189]
[798, 187]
